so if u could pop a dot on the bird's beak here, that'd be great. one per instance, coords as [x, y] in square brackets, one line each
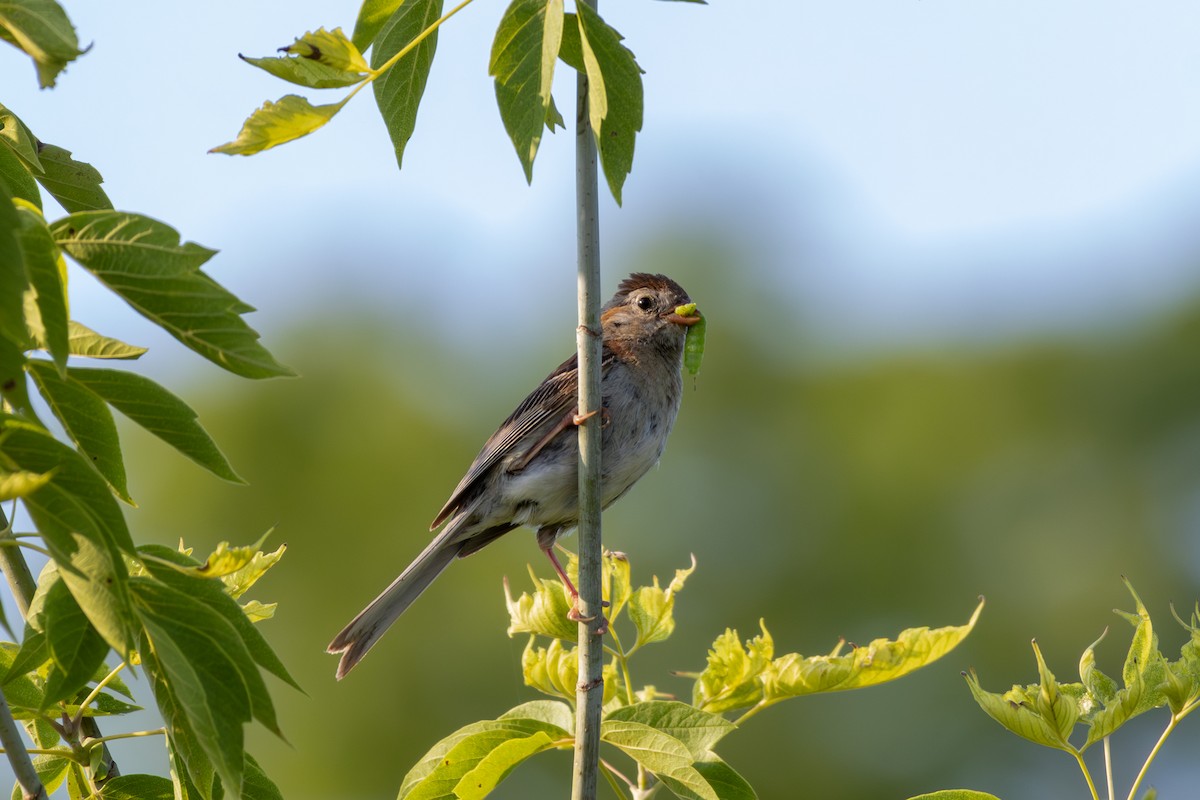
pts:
[685, 315]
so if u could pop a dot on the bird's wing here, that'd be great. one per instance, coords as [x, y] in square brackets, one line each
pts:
[544, 408]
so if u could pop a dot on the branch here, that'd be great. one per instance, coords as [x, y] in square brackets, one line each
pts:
[18, 756]
[590, 692]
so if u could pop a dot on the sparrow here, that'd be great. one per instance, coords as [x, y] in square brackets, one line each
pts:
[527, 472]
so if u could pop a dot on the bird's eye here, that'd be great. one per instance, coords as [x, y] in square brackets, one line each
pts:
[645, 303]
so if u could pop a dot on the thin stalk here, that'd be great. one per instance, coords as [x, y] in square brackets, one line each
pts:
[18, 756]
[1108, 767]
[96, 693]
[391, 62]
[1175, 720]
[1087, 776]
[133, 735]
[590, 692]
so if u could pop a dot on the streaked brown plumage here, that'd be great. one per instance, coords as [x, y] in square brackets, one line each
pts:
[527, 471]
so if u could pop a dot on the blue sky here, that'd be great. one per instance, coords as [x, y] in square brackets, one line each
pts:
[908, 167]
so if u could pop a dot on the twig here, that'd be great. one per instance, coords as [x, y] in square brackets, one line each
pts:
[590, 693]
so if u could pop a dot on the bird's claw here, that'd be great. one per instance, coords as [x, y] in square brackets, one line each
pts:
[575, 615]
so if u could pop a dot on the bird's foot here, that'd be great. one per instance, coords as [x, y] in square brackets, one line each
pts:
[575, 615]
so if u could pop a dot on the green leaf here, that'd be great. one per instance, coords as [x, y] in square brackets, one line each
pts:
[13, 385]
[46, 316]
[371, 18]
[1144, 663]
[614, 95]
[74, 184]
[21, 483]
[956, 794]
[319, 60]
[554, 670]
[255, 785]
[14, 281]
[398, 91]
[552, 712]
[87, 421]
[330, 48]
[16, 174]
[1020, 711]
[213, 594]
[42, 30]
[733, 677]
[51, 770]
[698, 730]
[80, 523]
[192, 771]
[158, 411]
[497, 762]
[142, 260]
[523, 56]
[245, 564]
[616, 586]
[83, 341]
[137, 787]
[18, 137]
[881, 661]
[439, 772]
[662, 754]
[724, 779]
[214, 687]
[543, 613]
[20, 691]
[76, 649]
[1101, 688]
[285, 120]
[652, 608]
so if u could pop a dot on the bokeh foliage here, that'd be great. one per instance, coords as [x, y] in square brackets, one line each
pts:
[836, 496]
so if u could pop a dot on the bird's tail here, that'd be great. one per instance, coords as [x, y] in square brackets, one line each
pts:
[364, 630]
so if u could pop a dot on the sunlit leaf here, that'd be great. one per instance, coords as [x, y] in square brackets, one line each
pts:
[46, 298]
[158, 411]
[74, 184]
[83, 341]
[497, 762]
[724, 779]
[137, 787]
[51, 771]
[76, 648]
[87, 421]
[524, 52]
[552, 712]
[143, 261]
[285, 120]
[42, 30]
[439, 772]
[652, 608]
[614, 95]
[543, 613]
[878, 662]
[733, 677]
[319, 59]
[371, 17]
[660, 753]
[398, 91]
[955, 794]
[16, 174]
[698, 730]
[21, 483]
[14, 280]
[18, 138]
[554, 670]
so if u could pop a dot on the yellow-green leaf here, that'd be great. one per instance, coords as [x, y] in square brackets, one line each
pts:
[543, 613]
[289, 118]
[319, 59]
[42, 30]
[20, 483]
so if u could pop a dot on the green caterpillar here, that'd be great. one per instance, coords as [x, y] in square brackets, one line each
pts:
[693, 346]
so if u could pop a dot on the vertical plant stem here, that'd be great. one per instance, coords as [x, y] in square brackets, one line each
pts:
[1108, 767]
[16, 570]
[590, 692]
[18, 756]
[23, 586]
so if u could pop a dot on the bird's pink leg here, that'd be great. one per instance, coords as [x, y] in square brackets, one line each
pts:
[574, 614]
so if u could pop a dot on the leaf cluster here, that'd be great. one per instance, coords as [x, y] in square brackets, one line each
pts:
[401, 37]
[670, 742]
[1050, 711]
[157, 609]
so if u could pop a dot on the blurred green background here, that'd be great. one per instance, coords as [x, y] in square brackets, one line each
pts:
[830, 494]
[949, 257]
